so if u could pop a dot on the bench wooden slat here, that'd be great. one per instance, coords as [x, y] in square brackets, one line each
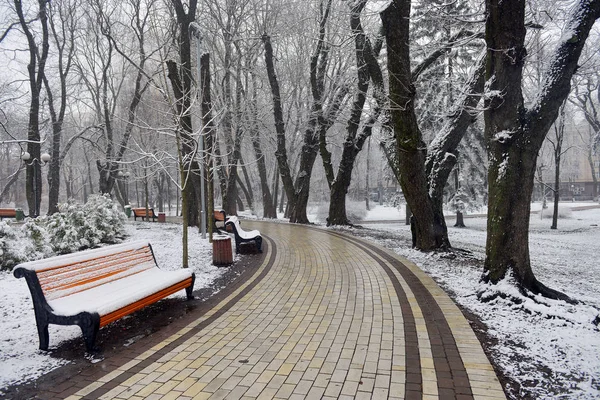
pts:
[83, 274]
[141, 213]
[138, 305]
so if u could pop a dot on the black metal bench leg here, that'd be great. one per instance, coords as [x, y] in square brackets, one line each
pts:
[190, 289]
[89, 324]
[258, 241]
[43, 334]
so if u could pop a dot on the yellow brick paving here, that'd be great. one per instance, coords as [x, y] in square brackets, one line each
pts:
[324, 323]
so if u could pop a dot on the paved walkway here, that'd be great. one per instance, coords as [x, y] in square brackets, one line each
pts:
[324, 316]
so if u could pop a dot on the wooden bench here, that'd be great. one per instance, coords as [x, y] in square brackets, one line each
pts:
[93, 288]
[8, 213]
[219, 216]
[242, 236]
[141, 213]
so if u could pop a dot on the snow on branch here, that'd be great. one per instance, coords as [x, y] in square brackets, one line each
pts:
[557, 80]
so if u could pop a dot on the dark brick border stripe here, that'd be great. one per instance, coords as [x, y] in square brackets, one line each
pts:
[160, 353]
[414, 380]
[452, 378]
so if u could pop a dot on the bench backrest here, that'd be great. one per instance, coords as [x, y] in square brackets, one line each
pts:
[8, 212]
[235, 222]
[219, 215]
[141, 212]
[64, 275]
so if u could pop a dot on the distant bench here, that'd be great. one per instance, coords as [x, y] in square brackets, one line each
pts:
[141, 213]
[242, 236]
[219, 216]
[8, 213]
[93, 288]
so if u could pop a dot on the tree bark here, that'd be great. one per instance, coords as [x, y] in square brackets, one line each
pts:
[208, 133]
[515, 134]
[410, 148]
[281, 153]
[269, 205]
[354, 142]
[36, 71]
[181, 81]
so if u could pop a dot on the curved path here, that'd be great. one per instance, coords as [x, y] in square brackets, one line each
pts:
[325, 316]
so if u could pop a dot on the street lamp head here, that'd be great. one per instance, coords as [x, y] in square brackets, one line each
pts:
[25, 156]
[45, 157]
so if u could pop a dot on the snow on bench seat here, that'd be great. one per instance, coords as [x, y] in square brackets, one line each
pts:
[93, 288]
[242, 236]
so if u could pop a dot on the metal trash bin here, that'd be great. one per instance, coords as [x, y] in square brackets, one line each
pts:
[222, 252]
[20, 215]
[162, 217]
[128, 211]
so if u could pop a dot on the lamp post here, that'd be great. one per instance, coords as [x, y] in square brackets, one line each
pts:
[195, 32]
[36, 164]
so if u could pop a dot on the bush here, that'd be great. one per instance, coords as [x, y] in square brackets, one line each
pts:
[75, 227]
[78, 227]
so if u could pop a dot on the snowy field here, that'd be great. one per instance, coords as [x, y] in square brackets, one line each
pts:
[20, 359]
[550, 348]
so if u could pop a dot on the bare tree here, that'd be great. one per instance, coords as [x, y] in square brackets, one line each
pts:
[38, 55]
[587, 99]
[63, 26]
[422, 177]
[515, 133]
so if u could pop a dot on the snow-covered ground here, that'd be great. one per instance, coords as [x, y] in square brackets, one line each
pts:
[20, 359]
[549, 347]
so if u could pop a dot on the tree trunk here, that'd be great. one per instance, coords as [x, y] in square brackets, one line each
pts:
[367, 177]
[36, 71]
[353, 144]
[269, 210]
[594, 175]
[281, 153]
[248, 192]
[514, 134]
[410, 148]
[208, 133]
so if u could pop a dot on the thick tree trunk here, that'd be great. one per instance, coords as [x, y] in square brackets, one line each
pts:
[411, 150]
[460, 221]
[515, 134]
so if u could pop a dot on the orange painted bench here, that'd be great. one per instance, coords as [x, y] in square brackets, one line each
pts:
[8, 213]
[93, 288]
[219, 216]
[141, 213]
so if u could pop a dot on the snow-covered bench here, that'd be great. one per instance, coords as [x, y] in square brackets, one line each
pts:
[242, 236]
[141, 213]
[93, 288]
[219, 216]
